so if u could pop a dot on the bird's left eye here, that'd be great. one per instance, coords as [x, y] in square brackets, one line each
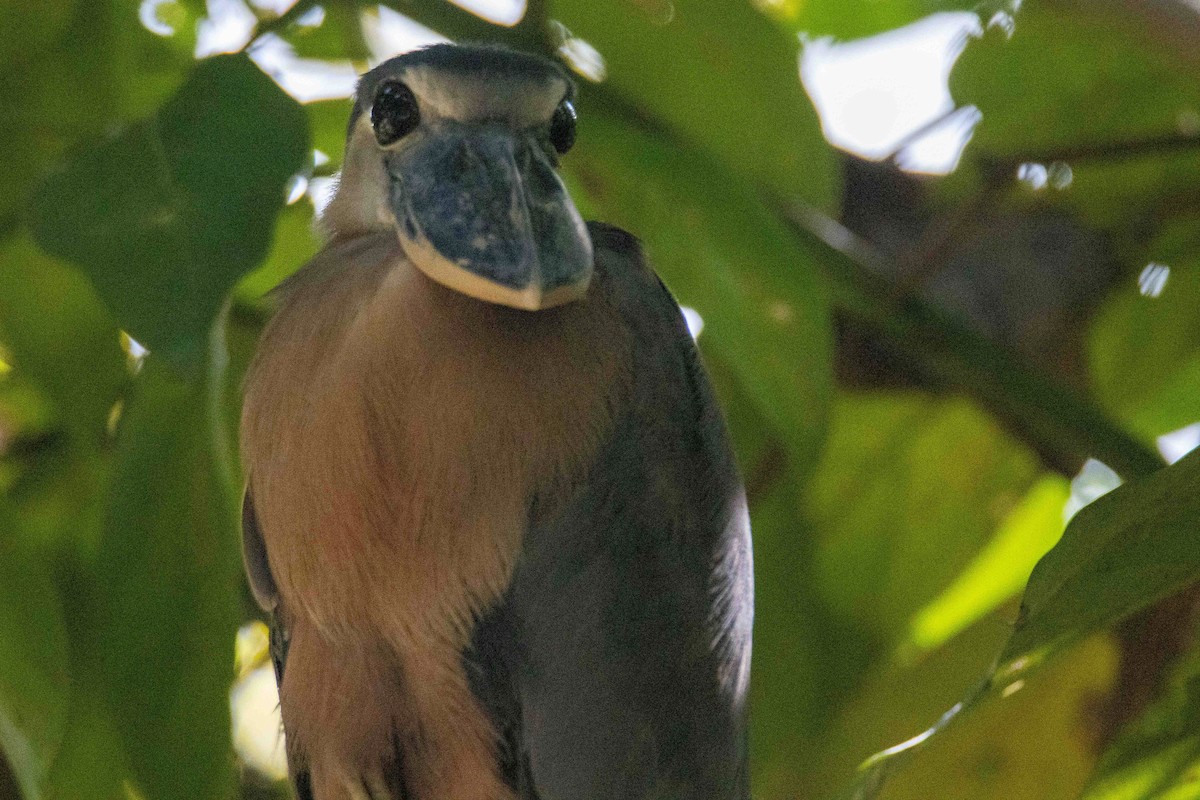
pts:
[394, 113]
[562, 127]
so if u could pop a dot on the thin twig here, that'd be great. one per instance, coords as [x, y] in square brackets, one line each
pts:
[283, 21]
[929, 127]
[1099, 151]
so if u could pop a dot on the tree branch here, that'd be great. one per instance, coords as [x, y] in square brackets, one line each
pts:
[1064, 427]
[1161, 144]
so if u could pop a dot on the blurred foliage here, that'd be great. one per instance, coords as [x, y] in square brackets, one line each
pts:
[908, 394]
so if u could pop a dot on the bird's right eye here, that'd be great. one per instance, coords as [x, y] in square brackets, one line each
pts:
[394, 113]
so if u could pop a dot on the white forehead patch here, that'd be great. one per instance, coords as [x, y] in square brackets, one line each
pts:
[520, 100]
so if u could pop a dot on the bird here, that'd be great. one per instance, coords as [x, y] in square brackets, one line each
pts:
[491, 508]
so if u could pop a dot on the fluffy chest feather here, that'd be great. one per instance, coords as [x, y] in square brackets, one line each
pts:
[395, 435]
[395, 432]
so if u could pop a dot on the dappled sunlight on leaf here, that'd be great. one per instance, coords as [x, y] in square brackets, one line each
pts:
[909, 490]
[1000, 570]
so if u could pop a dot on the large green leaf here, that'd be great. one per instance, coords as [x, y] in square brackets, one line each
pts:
[71, 71]
[852, 19]
[68, 370]
[167, 216]
[55, 331]
[1129, 549]
[908, 491]
[720, 74]
[1048, 71]
[1145, 350]
[722, 253]
[27, 30]
[1134, 546]
[339, 36]
[1158, 757]
[34, 678]
[169, 563]
[327, 119]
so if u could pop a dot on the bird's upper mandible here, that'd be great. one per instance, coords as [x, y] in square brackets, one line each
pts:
[455, 148]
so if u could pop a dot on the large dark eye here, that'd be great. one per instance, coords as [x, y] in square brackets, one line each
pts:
[562, 127]
[394, 113]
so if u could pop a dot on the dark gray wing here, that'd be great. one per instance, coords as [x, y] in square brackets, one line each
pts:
[262, 586]
[254, 557]
[616, 665]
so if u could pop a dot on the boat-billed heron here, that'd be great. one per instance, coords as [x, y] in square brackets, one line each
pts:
[492, 506]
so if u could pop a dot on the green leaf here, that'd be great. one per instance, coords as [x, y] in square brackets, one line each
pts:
[296, 241]
[720, 74]
[1144, 352]
[73, 70]
[1044, 91]
[56, 330]
[169, 214]
[1047, 71]
[723, 253]
[327, 119]
[169, 602]
[90, 764]
[1124, 552]
[339, 36]
[34, 679]
[852, 19]
[1000, 570]
[1158, 756]
[66, 355]
[909, 490]
[27, 29]
[1120, 554]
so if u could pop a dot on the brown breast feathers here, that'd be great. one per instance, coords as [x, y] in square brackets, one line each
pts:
[395, 433]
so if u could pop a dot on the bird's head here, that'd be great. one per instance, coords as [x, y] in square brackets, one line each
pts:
[454, 148]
